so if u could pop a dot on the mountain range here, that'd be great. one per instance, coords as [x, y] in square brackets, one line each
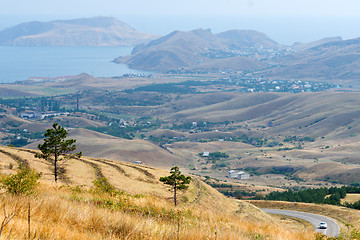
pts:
[199, 51]
[335, 59]
[97, 31]
[248, 52]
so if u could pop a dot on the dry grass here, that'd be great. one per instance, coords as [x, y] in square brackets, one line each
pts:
[142, 209]
[59, 213]
[351, 198]
[100, 145]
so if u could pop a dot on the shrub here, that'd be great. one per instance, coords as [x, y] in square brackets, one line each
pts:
[102, 185]
[23, 182]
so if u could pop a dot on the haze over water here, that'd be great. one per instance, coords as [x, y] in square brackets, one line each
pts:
[20, 63]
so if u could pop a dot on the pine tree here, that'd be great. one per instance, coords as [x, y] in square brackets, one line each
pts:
[56, 148]
[176, 180]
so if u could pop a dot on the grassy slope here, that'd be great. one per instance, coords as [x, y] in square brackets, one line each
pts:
[143, 210]
[100, 145]
[292, 114]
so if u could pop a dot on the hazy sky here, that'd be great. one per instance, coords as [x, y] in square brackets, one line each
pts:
[318, 7]
[284, 20]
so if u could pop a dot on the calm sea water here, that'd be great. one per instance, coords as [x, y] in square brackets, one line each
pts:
[20, 63]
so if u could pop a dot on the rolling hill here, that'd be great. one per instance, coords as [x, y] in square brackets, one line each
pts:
[99, 145]
[317, 114]
[197, 50]
[246, 51]
[327, 59]
[97, 31]
[239, 39]
[140, 207]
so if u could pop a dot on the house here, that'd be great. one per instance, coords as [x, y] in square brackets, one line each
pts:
[238, 175]
[232, 174]
[243, 175]
[206, 154]
[30, 115]
[55, 114]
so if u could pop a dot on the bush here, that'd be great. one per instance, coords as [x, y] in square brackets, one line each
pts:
[23, 182]
[102, 185]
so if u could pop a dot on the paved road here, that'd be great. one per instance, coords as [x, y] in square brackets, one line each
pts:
[333, 229]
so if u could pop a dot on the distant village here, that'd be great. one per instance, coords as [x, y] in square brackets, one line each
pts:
[254, 84]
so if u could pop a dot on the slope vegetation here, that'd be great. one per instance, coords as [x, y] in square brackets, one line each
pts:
[315, 114]
[141, 208]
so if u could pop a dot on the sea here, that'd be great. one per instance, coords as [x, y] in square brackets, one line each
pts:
[22, 63]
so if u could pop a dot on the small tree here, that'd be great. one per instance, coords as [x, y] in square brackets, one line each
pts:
[176, 180]
[56, 149]
[23, 182]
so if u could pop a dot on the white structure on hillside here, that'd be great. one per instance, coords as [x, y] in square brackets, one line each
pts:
[206, 154]
[238, 175]
[232, 174]
[243, 175]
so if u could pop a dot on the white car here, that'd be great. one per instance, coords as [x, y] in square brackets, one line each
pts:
[323, 225]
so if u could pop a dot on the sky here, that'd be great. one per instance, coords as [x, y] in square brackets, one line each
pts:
[286, 21]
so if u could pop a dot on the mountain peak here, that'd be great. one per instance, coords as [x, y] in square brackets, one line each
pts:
[248, 38]
[96, 31]
[96, 22]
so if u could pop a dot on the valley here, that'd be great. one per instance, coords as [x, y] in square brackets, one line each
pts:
[253, 122]
[282, 137]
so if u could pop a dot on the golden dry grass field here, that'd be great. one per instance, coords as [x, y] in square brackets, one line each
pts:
[351, 198]
[141, 207]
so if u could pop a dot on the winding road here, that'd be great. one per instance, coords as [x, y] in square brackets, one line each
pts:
[333, 229]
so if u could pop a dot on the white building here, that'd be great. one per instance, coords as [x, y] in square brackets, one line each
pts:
[206, 154]
[238, 175]
[232, 174]
[243, 175]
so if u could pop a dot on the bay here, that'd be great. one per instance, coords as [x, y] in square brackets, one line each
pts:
[20, 63]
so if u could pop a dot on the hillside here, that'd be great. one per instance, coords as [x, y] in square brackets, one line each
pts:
[239, 39]
[200, 51]
[140, 208]
[330, 59]
[306, 135]
[197, 50]
[97, 31]
[299, 47]
[315, 114]
[99, 145]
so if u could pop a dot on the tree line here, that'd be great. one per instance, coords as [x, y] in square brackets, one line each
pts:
[323, 195]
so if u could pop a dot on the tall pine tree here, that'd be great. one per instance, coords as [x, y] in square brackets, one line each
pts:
[56, 148]
[177, 181]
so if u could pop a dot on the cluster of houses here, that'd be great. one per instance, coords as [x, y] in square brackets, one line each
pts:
[238, 175]
[254, 84]
[39, 115]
